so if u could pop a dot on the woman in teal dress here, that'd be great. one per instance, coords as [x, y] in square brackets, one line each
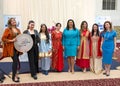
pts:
[71, 42]
[108, 46]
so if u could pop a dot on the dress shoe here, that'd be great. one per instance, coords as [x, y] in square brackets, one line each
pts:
[34, 77]
[46, 72]
[16, 80]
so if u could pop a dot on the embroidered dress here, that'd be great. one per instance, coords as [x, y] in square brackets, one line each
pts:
[57, 52]
[45, 47]
[83, 55]
[95, 54]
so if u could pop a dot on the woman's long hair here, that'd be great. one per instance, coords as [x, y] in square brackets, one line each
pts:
[46, 32]
[97, 34]
[9, 23]
[81, 27]
[73, 24]
[109, 24]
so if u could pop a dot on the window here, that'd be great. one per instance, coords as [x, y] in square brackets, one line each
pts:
[109, 5]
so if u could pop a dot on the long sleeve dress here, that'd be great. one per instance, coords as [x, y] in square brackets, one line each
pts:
[45, 47]
[95, 54]
[83, 55]
[57, 51]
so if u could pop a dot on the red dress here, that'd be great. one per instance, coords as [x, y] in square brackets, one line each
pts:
[57, 52]
[83, 54]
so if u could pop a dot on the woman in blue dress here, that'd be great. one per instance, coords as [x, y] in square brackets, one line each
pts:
[108, 46]
[71, 42]
[45, 49]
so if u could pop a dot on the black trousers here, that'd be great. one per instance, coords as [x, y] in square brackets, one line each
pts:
[15, 64]
[33, 60]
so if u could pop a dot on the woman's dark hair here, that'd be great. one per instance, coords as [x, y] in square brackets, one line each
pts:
[58, 24]
[9, 22]
[81, 27]
[46, 32]
[109, 24]
[68, 24]
[31, 21]
[97, 34]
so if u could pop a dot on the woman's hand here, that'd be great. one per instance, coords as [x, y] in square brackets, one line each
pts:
[115, 49]
[49, 52]
[78, 47]
[14, 40]
[63, 48]
[101, 49]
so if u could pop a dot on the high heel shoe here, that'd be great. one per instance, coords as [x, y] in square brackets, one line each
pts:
[34, 77]
[16, 80]
[18, 77]
[46, 72]
[107, 74]
[84, 70]
[69, 70]
[73, 72]
[104, 73]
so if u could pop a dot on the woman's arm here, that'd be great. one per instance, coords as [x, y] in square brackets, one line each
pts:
[5, 37]
[102, 39]
[115, 44]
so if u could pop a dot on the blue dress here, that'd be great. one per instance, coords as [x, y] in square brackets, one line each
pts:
[45, 47]
[70, 41]
[108, 46]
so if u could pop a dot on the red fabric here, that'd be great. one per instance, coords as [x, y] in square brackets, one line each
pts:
[83, 63]
[84, 32]
[99, 46]
[57, 53]
[99, 53]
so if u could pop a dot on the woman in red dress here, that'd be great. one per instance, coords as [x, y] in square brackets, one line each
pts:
[57, 52]
[83, 54]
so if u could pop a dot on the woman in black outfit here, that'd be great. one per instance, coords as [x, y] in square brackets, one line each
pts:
[33, 53]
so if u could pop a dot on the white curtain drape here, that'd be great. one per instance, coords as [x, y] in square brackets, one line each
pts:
[48, 11]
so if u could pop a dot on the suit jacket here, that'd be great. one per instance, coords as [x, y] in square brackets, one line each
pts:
[37, 38]
[71, 37]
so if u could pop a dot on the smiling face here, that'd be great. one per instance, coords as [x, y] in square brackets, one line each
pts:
[95, 28]
[84, 25]
[70, 24]
[13, 22]
[107, 26]
[43, 28]
[58, 26]
[31, 26]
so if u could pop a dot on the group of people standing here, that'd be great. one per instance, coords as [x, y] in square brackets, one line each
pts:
[81, 47]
